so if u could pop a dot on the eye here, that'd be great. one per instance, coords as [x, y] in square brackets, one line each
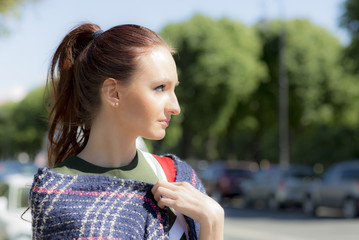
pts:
[160, 88]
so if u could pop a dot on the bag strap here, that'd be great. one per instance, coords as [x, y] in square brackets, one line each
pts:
[168, 167]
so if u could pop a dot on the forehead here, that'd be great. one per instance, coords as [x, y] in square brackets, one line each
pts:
[156, 64]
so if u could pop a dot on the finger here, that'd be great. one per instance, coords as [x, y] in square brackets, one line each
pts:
[166, 185]
[169, 185]
[160, 183]
[165, 202]
[157, 196]
[164, 192]
[182, 184]
[154, 188]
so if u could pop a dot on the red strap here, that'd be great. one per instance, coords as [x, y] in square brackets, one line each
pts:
[168, 167]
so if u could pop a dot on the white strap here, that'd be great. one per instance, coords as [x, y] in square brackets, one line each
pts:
[179, 226]
[155, 165]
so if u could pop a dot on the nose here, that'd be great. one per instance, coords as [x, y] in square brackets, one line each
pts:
[173, 106]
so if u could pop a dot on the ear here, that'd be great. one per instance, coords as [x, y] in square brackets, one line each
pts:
[109, 92]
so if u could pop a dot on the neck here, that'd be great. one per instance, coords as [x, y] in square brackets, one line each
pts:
[107, 147]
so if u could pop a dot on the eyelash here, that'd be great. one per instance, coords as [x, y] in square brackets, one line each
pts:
[160, 88]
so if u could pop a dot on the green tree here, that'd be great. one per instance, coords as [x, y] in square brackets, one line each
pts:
[326, 144]
[8, 111]
[218, 67]
[25, 124]
[5, 123]
[350, 21]
[320, 92]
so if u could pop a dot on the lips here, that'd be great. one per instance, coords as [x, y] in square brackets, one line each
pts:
[165, 122]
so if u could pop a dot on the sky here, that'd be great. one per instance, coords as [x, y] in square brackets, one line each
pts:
[26, 51]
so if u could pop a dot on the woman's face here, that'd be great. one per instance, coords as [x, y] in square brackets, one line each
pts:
[147, 103]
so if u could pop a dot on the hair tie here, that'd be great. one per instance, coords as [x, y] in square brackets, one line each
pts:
[96, 34]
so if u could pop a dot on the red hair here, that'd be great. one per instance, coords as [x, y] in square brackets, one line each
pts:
[78, 69]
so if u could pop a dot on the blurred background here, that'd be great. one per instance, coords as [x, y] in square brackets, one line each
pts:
[269, 96]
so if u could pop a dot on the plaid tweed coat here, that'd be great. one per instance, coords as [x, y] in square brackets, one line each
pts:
[89, 207]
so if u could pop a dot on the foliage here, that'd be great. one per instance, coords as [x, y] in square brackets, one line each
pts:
[313, 71]
[320, 92]
[350, 21]
[5, 123]
[23, 125]
[326, 144]
[20, 127]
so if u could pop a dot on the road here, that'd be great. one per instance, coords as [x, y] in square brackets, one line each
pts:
[290, 224]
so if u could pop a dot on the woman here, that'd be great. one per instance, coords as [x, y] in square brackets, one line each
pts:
[110, 88]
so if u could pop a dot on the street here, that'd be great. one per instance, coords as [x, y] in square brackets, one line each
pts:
[290, 224]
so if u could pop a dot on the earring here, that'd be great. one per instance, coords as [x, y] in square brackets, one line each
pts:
[115, 104]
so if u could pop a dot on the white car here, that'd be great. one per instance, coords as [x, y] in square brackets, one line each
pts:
[14, 195]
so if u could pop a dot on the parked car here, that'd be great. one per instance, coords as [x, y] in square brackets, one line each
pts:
[276, 187]
[14, 195]
[222, 179]
[338, 188]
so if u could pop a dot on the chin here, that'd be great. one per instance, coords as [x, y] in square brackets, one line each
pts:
[156, 136]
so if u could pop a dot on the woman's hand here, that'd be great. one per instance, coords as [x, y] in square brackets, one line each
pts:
[187, 200]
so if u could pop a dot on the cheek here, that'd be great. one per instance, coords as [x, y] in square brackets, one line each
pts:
[143, 106]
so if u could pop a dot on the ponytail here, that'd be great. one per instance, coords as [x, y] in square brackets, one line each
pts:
[68, 132]
[83, 60]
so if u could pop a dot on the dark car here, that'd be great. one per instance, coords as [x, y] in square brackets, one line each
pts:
[338, 188]
[222, 179]
[278, 187]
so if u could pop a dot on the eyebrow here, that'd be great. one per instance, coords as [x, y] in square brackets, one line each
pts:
[166, 80]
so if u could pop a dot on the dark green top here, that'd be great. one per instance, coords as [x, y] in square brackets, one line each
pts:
[135, 170]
